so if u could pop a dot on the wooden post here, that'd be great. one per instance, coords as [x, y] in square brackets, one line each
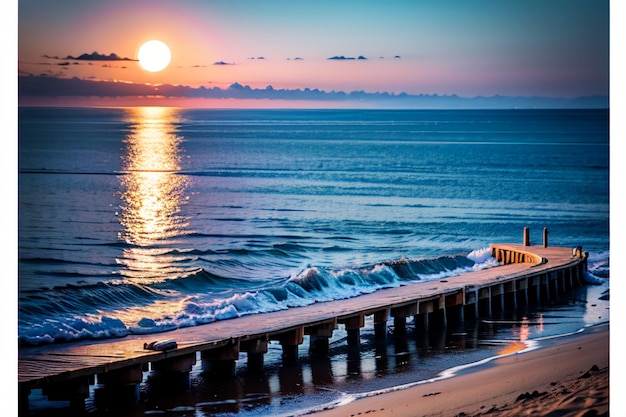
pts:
[526, 295]
[476, 312]
[74, 390]
[399, 326]
[23, 404]
[399, 315]
[538, 290]
[172, 373]
[120, 386]
[354, 362]
[290, 342]
[556, 284]
[221, 361]
[255, 349]
[442, 311]
[319, 337]
[380, 325]
[353, 328]
[526, 236]
[545, 237]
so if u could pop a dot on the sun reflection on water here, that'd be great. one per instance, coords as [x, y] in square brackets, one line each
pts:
[152, 194]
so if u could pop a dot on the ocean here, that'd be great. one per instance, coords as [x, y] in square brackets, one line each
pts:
[143, 220]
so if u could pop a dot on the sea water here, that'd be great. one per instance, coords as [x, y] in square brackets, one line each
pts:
[143, 220]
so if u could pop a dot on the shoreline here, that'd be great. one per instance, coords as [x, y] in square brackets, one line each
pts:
[565, 377]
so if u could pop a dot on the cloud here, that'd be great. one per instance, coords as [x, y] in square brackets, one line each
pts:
[94, 56]
[259, 57]
[52, 85]
[346, 58]
[223, 63]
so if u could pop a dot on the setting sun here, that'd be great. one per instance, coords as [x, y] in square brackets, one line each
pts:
[154, 56]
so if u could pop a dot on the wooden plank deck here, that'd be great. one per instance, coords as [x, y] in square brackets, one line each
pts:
[49, 364]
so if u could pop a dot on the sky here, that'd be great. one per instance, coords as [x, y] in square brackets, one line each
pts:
[548, 48]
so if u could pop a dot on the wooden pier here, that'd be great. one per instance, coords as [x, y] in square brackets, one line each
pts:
[528, 274]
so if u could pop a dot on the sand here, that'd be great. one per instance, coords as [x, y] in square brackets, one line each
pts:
[565, 377]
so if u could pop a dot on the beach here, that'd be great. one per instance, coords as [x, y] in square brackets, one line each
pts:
[568, 376]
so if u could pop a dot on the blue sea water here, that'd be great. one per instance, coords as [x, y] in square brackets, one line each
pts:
[141, 220]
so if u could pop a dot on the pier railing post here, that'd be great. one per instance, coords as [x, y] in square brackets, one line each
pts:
[545, 237]
[526, 241]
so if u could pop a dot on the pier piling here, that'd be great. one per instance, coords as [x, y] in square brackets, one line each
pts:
[353, 329]
[120, 386]
[319, 337]
[221, 362]
[255, 350]
[75, 391]
[173, 372]
[290, 341]
[380, 325]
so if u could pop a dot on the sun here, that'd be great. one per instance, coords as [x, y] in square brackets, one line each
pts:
[154, 56]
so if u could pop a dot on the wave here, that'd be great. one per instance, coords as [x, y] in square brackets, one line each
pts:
[125, 306]
[104, 309]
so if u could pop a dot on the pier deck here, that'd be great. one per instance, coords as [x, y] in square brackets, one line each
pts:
[524, 268]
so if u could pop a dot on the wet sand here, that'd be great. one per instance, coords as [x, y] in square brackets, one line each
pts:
[567, 377]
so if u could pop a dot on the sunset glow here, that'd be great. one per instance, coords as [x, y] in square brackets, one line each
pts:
[516, 49]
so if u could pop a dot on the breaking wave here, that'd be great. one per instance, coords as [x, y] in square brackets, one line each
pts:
[117, 308]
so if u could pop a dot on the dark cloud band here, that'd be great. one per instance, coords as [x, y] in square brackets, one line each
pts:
[94, 56]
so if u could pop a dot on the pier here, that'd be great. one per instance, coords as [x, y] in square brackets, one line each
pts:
[527, 274]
